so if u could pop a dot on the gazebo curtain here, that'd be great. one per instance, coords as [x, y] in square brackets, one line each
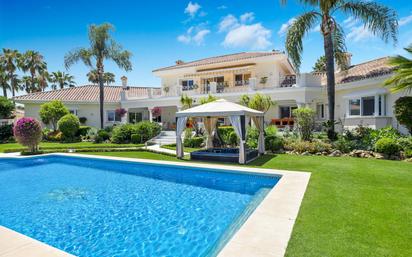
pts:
[258, 121]
[235, 120]
[180, 127]
[210, 124]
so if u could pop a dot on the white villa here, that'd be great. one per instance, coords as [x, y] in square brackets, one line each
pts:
[360, 96]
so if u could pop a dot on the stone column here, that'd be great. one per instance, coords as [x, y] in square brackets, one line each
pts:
[150, 114]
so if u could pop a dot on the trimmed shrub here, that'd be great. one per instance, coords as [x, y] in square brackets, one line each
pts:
[387, 146]
[82, 120]
[69, 125]
[52, 112]
[6, 133]
[135, 139]
[403, 111]
[102, 135]
[6, 108]
[344, 145]
[145, 129]
[252, 136]
[28, 132]
[193, 142]
[305, 122]
[83, 130]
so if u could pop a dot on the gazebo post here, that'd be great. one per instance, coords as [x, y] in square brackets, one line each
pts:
[242, 141]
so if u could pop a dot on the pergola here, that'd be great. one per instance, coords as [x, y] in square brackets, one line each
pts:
[238, 115]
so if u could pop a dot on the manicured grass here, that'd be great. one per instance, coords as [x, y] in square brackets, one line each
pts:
[55, 145]
[352, 207]
[140, 155]
[186, 149]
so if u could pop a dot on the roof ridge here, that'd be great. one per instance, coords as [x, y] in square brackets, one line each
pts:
[369, 61]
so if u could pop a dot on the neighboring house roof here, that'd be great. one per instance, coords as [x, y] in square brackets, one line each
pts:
[87, 93]
[220, 59]
[371, 69]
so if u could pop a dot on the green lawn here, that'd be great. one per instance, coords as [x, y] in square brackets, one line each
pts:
[352, 207]
[186, 149]
[55, 145]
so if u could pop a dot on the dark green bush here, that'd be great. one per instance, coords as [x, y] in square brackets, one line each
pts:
[102, 136]
[6, 132]
[69, 125]
[135, 139]
[82, 120]
[252, 136]
[387, 146]
[273, 143]
[193, 142]
[146, 130]
[83, 130]
[408, 153]
[6, 108]
[228, 135]
[344, 145]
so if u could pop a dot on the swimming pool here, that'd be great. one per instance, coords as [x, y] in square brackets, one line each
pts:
[94, 207]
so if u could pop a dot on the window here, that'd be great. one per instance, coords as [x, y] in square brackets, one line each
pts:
[135, 117]
[368, 106]
[242, 79]
[187, 85]
[354, 107]
[286, 111]
[73, 111]
[320, 111]
[112, 116]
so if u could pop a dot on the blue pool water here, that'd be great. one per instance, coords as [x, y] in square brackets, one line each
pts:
[94, 207]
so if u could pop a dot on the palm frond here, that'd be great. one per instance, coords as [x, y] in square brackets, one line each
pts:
[294, 38]
[402, 78]
[339, 46]
[380, 20]
[119, 56]
[80, 54]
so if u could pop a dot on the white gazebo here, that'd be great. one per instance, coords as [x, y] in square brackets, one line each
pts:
[238, 115]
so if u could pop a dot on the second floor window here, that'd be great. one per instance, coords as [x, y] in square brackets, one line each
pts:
[187, 85]
[242, 79]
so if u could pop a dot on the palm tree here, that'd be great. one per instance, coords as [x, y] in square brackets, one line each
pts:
[402, 79]
[186, 101]
[10, 60]
[378, 19]
[108, 77]
[33, 62]
[4, 81]
[26, 83]
[320, 65]
[102, 47]
[62, 80]
[43, 79]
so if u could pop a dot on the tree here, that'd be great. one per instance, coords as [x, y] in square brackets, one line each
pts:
[258, 102]
[403, 111]
[102, 47]
[186, 101]
[42, 80]
[108, 77]
[402, 79]
[4, 82]
[320, 65]
[6, 108]
[28, 132]
[52, 112]
[26, 83]
[378, 19]
[62, 80]
[305, 121]
[210, 98]
[33, 62]
[11, 59]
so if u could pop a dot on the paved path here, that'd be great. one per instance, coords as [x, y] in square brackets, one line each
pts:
[157, 148]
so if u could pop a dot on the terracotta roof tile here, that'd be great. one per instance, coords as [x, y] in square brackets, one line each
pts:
[366, 70]
[220, 59]
[87, 93]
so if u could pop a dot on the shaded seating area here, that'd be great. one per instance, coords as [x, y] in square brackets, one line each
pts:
[239, 117]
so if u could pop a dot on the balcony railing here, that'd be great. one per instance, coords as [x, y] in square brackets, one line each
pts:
[288, 81]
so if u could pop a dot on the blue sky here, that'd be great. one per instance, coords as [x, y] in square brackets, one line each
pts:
[160, 32]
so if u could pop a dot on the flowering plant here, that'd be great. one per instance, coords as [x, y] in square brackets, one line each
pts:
[121, 112]
[28, 132]
[156, 112]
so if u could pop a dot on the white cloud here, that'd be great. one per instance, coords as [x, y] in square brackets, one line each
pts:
[228, 22]
[285, 26]
[405, 20]
[247, 17]
[199, 37]
[184, 39]
[255, 37]
[192, 8]
[222, 7]
[359, 33]
[350, 22]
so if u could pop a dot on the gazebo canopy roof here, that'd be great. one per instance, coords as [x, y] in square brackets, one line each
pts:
[219, 108]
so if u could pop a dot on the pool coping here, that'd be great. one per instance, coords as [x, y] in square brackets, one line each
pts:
[266, 232]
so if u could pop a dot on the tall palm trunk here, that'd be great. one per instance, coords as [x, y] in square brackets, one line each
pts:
[32, 73]
[330, 78]
[4, 91]
[100, 72]
[12, 85]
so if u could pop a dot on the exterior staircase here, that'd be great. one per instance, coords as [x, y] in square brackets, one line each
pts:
[164, 138]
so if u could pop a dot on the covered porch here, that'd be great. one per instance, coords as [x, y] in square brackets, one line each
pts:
[239, 117]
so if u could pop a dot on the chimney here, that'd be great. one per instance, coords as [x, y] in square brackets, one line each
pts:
[124, 82]
[178, 62]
